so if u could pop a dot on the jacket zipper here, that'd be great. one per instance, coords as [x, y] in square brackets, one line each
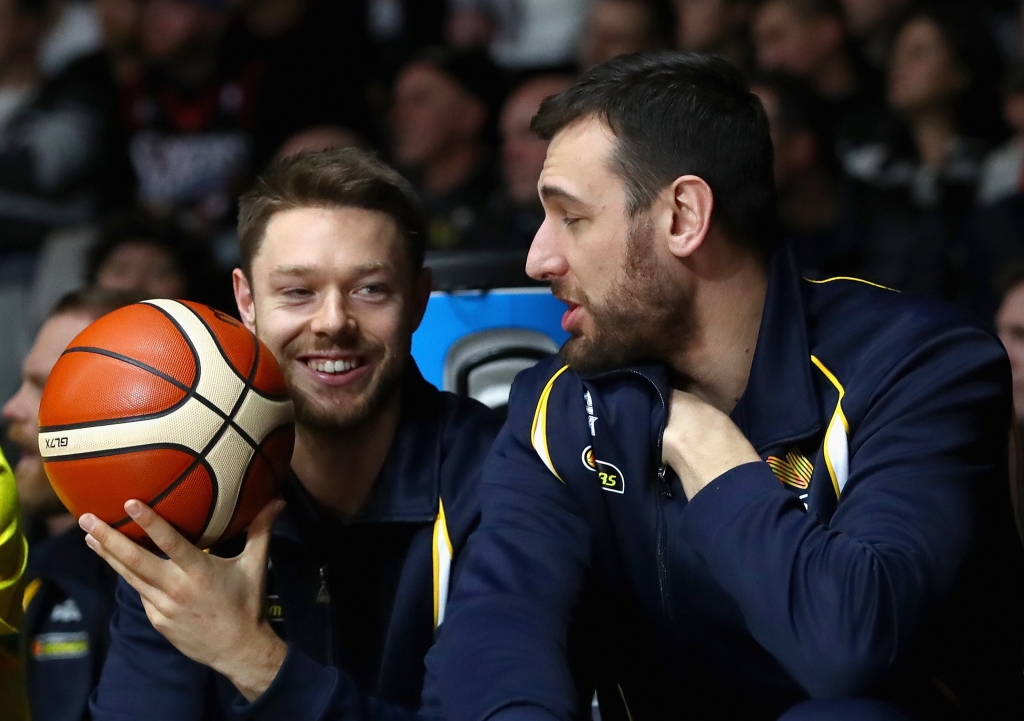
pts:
[665, 491]
[323, 597]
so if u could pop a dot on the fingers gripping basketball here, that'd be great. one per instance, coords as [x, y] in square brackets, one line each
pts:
[175, 404]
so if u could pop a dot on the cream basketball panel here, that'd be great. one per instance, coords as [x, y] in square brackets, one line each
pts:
[258, 415]
[192, 425]
[218, 382]
[228, 459]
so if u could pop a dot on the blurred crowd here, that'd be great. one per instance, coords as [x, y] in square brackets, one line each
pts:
[128, 128]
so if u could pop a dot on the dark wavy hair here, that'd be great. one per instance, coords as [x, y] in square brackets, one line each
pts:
[676, 114]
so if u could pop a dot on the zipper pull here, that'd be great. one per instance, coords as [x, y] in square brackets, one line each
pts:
[666, 487]
[323, 595]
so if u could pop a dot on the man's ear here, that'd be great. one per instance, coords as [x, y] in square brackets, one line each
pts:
[692, 203]
[423, 284]
[244, 299]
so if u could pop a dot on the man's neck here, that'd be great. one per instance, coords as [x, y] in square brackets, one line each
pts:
[339, 469]
[447, 172]
[727, 304]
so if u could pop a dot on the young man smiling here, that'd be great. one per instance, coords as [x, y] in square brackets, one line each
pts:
[799, 510]
[382, 498]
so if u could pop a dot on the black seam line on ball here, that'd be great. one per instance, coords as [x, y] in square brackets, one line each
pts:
[246, 382]
[189, 393]
[196, 462]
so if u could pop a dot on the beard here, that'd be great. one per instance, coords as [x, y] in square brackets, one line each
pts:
[644, 315]
[341, 410]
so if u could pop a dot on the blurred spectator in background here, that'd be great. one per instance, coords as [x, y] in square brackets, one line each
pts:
[191, 116]
[70, 595]
[318, 138]
[443, 124]
[399, 30]
[524, 34]
[719, 27]
[810, 201]
[52, 135]
[618, 27]
[308, 60]
[74, 31]
[139, 252]
[917, 182]
[808, 38]
[873, 24]
[514, 212]
[1003, 172]
[1010, 327]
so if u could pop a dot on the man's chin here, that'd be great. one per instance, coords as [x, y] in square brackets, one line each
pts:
[589, 355]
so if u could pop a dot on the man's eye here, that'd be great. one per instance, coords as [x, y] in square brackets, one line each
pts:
[568, 222]
[297, 292]
[371, 290]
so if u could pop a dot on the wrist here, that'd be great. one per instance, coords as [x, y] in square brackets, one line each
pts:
[253, 670]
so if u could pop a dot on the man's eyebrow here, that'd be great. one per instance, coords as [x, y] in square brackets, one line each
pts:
[295, 270]
[307, 270]
[549, 192]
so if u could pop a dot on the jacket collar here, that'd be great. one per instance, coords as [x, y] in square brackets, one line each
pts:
[406, 491]
[780, 403]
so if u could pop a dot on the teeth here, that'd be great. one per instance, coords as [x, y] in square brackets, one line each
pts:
[338, 366]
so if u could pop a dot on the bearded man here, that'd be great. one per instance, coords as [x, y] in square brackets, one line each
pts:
[383, 496]
[738, 493]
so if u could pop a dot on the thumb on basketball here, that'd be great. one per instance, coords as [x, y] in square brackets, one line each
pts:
[258, 539]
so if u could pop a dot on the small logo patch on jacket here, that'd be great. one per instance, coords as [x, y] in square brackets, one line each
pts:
[610, 476]
[53, 646]
[66, 612]
[793, 470]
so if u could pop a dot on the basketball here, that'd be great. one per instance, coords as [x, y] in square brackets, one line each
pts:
[175, 404]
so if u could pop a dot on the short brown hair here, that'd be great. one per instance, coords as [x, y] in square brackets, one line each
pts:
[343, 178]
[96, 302]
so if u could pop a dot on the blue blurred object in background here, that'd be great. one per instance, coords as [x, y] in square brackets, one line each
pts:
[486, 320]
[454, 315]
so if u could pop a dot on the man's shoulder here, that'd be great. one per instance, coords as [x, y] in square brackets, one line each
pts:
[861, 331]
[862, 317]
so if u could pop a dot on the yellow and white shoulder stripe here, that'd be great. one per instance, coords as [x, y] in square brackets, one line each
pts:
[539, 432]
[837, 443]
[442, 553]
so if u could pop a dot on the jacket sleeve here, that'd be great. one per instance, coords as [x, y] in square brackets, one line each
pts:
[835, 602]
[144, 676]
[501, 652]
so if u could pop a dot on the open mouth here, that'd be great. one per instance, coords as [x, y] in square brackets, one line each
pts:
[333, 366]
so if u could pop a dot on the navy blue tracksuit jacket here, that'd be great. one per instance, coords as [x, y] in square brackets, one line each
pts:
[872, 552]
[358, 602]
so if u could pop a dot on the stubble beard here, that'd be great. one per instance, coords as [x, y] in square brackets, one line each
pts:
[644, 316]
[339, 411]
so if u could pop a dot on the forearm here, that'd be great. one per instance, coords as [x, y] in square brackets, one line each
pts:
[832, 605]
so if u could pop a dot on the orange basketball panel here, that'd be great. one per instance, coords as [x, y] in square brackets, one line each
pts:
[101, 485]
[185, 508]
[269, 379]
[234, 338]
[86, 387]
[142, 332]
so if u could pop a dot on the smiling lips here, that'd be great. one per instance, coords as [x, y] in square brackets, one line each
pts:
[335, 366]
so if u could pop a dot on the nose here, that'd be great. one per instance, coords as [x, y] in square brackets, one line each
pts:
[545, 261]
[13, 408]
[331, 318]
